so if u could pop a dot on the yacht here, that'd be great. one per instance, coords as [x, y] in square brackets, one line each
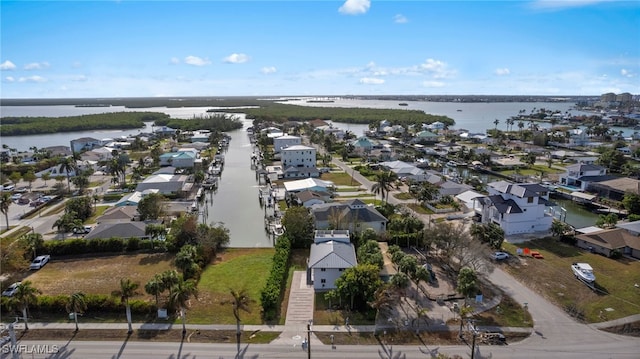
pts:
[584, 272]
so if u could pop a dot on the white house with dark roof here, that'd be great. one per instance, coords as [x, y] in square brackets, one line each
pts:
[331, 254]
[516, 208]
[353, 215]
[580, 175]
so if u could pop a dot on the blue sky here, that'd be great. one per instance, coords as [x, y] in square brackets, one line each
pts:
[66, 49]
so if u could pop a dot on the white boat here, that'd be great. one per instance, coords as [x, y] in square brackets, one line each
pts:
[584, 272]
[452, 164]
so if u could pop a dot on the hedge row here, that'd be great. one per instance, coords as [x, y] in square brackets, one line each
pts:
[99, 245]
[96, 303]
[404, 239]
[276, 283]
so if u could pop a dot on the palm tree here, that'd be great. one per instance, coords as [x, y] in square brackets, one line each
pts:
[383, 184]
[154, 287]
[241, 301]
[126, 291]
[383, 301]
[496, 122]
[33, 242]
[5, 202]
[67, 165]
[179, 296]
[77, 303]
[26, 294]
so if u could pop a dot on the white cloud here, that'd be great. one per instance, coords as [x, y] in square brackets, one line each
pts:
[196, 61]
[371, 81]
[437, 68]
[76, 65]
[268, 70]
[10, 79]
[400, 19]
[7, 65]
[236, 59]
[626, 73]
[432, 83]
[355, 7]
[79, 78]
[34, 78]
[174, 61]
[503, 71]
[36, 66]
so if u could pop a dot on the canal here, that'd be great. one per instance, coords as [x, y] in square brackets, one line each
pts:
[235, 202]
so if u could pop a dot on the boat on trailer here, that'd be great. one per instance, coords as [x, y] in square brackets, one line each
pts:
[584, 272]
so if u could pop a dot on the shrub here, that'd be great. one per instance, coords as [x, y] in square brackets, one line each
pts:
[273, 289]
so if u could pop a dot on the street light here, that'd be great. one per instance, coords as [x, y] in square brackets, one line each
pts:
[309, 341]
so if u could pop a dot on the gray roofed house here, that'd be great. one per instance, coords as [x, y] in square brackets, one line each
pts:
[128, 229]
[353, 215]
[331, 253]
[516, 207]
[119, 214]
[165, 184]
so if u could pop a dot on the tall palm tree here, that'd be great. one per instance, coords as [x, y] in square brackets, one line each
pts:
[383, 184]
[33, 242]
[127, 290]
[5, 202]
[154, 287]
[179, 296]
[68, 165]
[241, 301]
[25, 295]
[77, 303]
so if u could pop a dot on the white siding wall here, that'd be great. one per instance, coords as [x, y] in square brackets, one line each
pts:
[329, 275]
[299, 158]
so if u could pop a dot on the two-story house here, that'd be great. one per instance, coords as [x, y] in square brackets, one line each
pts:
[331, 254]
[580, 175]
[516, 208]
[353, 215]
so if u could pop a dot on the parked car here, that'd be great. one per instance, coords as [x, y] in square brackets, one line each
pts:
[11, 290]
[39, 262]
[8, 187]
[499, 256]
[82, 230]
[537, 255]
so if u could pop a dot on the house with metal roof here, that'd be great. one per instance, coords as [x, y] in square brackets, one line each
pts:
[331, 254]
[353, 215]
[516, 207]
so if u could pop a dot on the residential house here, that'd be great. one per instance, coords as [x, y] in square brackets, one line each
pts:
[299, 161]
[272, 132]
[362, 144]
[578, 137]
[318, 123]
[285, 141]
[166, 184]
[164, 131]
[330, 255]
[516, 208]
[132, 199]
[614, 188]
[119, 214]
[581, 175]
[309, 198]
[405, 170]
[338, 133]
[609, 241]
[180, 159]
[200, 136]
[353, 215]
[55, 151]
[111, 229]
[435, 126]
[425, 137]
[311, 184]
[84, 144]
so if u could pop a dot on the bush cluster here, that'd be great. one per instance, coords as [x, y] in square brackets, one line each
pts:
[273, 289]
[99, 245]
[96, 303]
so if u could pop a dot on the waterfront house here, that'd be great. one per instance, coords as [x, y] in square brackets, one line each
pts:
[309, 198]
[578, 137]
[614, 188]
[581, 175]
[425, 137]
[330, 255]
[84, 144]
[164, 131]
[435, 126]
[299, 161]
[132, 199]
[338, 133]
[200, 136]
[166, 184]
[405, 170]
[285, 141]
[609, 241]
[516, 208]
[117, 229]
[180, 159]
[311, 184]
[353, 215]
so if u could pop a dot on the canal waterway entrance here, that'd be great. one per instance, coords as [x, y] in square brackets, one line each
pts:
[235, 202]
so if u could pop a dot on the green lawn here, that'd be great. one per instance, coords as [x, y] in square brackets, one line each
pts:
[239, 268]
[403, 196]
[552, 277]
[99, 212]
[419, 209]
[340, 179]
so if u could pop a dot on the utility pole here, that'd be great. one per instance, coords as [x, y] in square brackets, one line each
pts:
[308, 341]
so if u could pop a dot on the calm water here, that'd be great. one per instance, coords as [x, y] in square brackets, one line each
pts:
[235, 203]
